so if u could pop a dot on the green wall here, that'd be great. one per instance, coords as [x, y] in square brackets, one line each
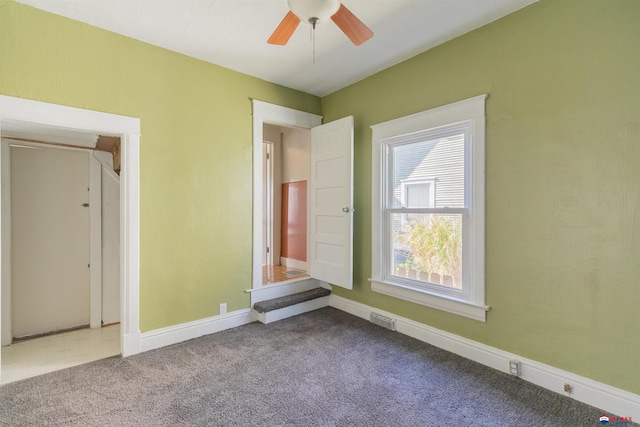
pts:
[563, 179]
[196, 149]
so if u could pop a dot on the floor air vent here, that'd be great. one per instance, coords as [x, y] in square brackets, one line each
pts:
[383, 321]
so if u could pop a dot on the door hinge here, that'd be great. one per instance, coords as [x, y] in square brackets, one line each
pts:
[85, 205]
[268, 156]
[268, 249]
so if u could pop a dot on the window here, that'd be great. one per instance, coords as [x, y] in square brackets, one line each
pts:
[428, 244]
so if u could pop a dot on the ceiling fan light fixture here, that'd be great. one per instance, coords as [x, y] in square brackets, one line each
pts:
[314, 11]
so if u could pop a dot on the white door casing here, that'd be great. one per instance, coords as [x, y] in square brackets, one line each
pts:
[330, 252]
[267, 203]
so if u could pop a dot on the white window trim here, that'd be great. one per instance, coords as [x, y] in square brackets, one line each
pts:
[471, 305]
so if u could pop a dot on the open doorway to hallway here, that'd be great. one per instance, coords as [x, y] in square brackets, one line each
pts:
[38, 118]
[286, 167]
[330, 208]
[64, 227]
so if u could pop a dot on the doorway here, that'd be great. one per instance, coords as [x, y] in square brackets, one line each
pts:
[268, 116]
[40, 118]
[330, 200]
[64, 257]
[286, 164]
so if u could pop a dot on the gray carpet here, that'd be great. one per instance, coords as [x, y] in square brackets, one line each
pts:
[323, 368]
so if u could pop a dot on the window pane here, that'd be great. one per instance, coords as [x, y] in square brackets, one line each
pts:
[441, 160]
[428, 248]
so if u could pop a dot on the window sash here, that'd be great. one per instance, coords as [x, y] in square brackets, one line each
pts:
[388, 158]
[386, 273]
[388, 209]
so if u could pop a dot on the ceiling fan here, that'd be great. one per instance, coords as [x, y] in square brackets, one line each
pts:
[315, 11]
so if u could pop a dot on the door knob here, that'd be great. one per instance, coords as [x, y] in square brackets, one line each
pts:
[347, 210]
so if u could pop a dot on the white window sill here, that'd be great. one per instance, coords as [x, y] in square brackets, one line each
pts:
[429, 299]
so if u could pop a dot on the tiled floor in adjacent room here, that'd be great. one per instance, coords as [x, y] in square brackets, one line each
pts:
[50, 353]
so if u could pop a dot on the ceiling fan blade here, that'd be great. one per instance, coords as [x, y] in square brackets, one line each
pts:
[354, 28]
[285, 30]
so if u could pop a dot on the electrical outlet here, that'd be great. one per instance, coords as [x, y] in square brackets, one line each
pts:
[514, 368]
[568, 388]
[223, 308]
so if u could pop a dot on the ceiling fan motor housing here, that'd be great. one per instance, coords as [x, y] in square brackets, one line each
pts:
[313, 11]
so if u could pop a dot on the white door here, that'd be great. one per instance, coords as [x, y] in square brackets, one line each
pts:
[50, 239]
[331, 203]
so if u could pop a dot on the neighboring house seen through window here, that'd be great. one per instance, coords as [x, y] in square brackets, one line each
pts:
[428, 244]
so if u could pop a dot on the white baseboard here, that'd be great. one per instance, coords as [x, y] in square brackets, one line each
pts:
[186, 331]
[293, 310]
[293, 263]
[610, 399]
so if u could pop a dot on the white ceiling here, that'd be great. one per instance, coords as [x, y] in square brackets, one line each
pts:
[233, 33]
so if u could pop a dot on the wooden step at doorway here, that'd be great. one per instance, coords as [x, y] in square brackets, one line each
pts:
[280, 308]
